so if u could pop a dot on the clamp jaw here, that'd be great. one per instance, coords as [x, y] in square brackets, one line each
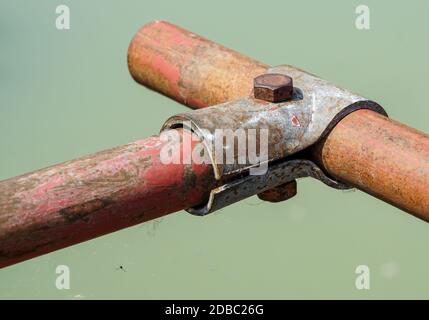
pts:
[290, 117]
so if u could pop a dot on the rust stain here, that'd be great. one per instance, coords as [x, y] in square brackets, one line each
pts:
[82, 210]
[280, 193]
[189, 179]
[273, 87]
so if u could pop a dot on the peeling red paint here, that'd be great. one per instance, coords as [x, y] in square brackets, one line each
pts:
[169, 72]
[295, 121]
[208, 73]
[382, 157]
[84, 198]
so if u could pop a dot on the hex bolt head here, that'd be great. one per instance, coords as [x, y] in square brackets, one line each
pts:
[273, 87]
[280, 193]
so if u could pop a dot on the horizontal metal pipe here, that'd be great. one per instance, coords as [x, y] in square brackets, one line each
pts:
[382, 157]
[85, 198]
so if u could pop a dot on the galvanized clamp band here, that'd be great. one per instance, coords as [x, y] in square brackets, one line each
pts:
[315, 108]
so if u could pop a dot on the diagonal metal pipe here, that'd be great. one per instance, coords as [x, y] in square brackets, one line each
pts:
[81, 199]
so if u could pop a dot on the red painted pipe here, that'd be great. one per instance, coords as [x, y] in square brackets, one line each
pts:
[85, 198]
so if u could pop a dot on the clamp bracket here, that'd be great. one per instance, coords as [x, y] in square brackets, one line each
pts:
[315, 107]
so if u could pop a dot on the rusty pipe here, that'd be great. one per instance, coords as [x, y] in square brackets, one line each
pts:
[381, 157]
[189, 68]
[81, 199]
[377, 155]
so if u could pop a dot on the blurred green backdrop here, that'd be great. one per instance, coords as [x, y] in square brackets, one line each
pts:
[64, 94]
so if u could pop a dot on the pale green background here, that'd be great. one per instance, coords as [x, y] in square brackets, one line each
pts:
[68, 93]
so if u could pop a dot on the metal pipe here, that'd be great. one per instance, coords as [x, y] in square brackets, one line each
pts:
[188, 68]
[81, 199]
[381, 157]
[377, 155]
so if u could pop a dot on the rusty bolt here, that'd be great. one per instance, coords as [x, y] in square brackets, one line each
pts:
[280, 193]
[273, 87]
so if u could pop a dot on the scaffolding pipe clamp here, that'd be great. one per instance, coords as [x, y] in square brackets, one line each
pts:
[292, 122]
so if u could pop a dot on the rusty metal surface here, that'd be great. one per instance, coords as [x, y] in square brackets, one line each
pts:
[144, 67]
[84, 198]
[229, 91]
[273, 87]
[278, 173]
[291, 125]
[382, 157]
[189, 68]
[81, 199]
[280, 193]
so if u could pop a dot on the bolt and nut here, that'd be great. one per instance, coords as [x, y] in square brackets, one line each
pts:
[273, 87]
